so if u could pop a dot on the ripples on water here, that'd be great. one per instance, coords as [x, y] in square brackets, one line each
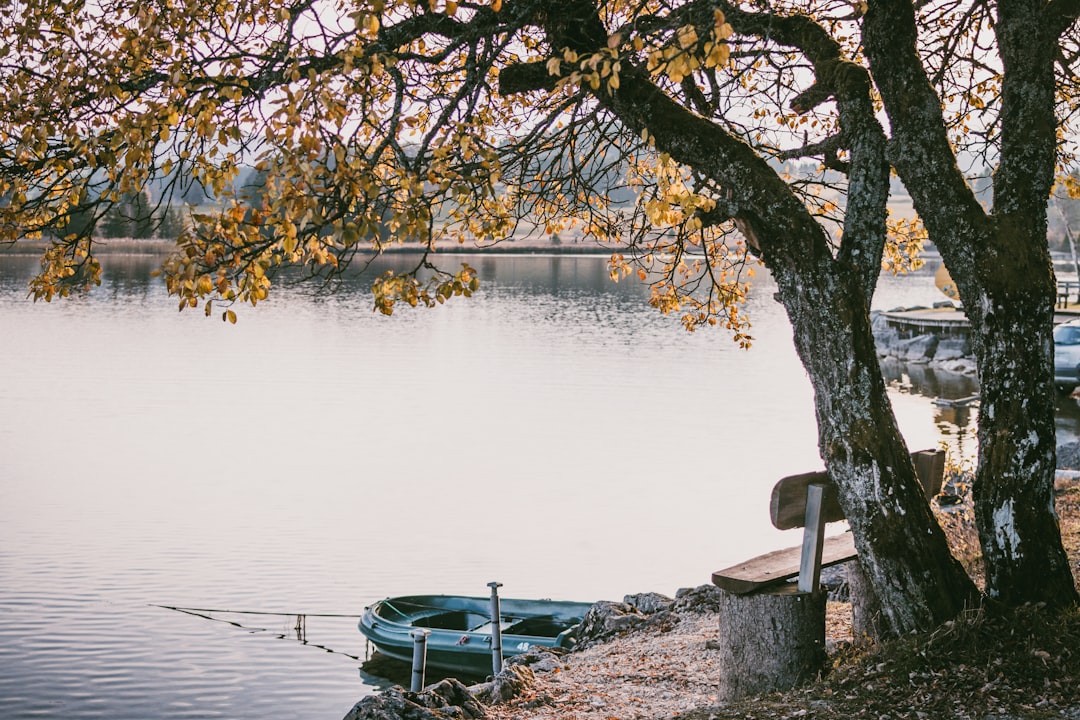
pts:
[553, 433]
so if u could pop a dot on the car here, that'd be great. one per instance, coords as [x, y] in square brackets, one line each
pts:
[1067, 355]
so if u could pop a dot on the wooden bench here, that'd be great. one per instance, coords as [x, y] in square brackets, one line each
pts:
[771, 631]
[809, 501]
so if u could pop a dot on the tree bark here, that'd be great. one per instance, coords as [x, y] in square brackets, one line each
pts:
[901, 546]
[868, 625]
[1003, 272]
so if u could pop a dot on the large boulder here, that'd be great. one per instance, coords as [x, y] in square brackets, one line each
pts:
[649, 602]
[952, 348]
[885, 335]
[1068, 456]
[919, 349]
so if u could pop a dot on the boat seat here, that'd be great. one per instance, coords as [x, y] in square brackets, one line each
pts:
[453, 620]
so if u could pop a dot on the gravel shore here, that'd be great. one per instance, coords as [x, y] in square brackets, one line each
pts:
[656, 673]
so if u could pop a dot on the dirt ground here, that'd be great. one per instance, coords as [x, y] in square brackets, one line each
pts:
[1024, 665]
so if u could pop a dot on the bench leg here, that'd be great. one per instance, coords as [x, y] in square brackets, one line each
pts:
[770, 640]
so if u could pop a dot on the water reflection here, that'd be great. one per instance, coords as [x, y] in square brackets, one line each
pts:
[1068, 418]
[955, 409]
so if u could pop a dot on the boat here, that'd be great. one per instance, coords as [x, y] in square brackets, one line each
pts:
[460, 628]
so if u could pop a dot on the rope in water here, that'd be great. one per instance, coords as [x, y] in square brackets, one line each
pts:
[253, 612]
[300, 628]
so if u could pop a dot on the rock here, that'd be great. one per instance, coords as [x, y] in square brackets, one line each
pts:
[960, 366]
[701, 599]
[538, 659]
[607, 619]
[649, 602]
[952, 349]
[512, 682]
[834, 579]
[885, 335]
[1068, 456]
[918, 349]
[445, 699]
[942, 352]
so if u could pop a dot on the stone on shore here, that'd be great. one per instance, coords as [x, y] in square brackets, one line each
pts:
[607, 619]
[513, 681]
[942, 352]
[445, 699]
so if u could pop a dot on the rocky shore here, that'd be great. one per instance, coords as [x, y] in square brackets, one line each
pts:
[950, 352]
[654, 657]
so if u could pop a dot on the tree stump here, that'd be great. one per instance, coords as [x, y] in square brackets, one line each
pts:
[868, 625]
[770, 640]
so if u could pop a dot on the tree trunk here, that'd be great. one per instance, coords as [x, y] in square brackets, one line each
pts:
[1002, 269]
[867, 623]
[1014, 502]
[769, 641]
[901, 546]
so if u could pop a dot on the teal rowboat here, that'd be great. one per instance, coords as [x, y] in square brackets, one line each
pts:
[460, 639]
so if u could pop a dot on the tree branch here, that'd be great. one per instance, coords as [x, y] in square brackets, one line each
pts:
[920, 148]
[865, 230]
[1062, 14]
[526, 77]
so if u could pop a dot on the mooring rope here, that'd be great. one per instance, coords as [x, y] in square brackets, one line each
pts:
[300, 629]
[253, 612]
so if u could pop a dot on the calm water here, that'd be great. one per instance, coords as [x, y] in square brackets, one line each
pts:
[554, 433]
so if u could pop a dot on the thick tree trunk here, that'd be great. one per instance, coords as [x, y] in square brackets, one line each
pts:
[867, 623]
[1002, 269]
[901, 546]
[1014, 503]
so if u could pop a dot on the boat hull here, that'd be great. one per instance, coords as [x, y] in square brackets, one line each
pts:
[461, 632]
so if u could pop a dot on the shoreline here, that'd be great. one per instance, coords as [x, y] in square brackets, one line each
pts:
[665, 667]
[155, 246]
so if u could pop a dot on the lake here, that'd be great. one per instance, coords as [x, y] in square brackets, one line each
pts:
[554, 433]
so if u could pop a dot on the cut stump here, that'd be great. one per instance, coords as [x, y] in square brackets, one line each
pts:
[770, 640]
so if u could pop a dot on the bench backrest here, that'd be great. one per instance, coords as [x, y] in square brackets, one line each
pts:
[787, 508]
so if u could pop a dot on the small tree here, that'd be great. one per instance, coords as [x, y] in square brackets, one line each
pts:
[131, 217]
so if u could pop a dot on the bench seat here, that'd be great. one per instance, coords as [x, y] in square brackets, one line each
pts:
[810, 501]
[780, 565]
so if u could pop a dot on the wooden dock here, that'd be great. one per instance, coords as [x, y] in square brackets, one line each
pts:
[950, 321]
